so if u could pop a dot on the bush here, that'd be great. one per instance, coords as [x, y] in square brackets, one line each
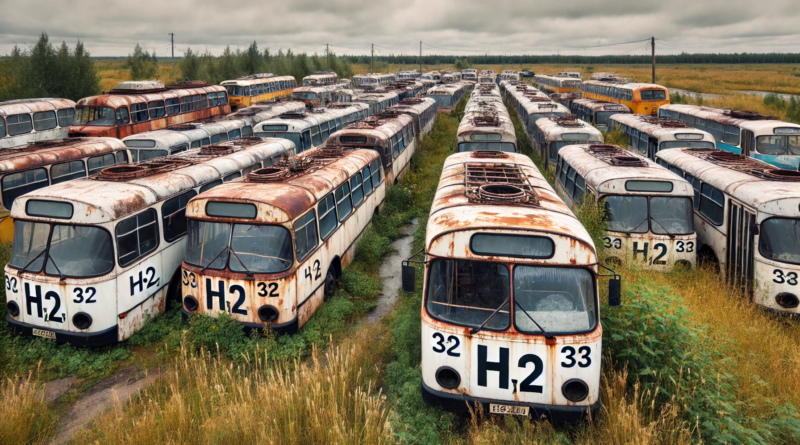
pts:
[142, 64]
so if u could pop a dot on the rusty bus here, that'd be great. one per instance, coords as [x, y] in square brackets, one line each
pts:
[270, 249]
[641, 98]
[649, 208]
[552, 133]
[94, 257]
[134, 107]
[648, 135]
[748, 221]
[558, 84]
[510, 313]
[310, 129]
[469, 74]
[509, 75]
[390, 133]
[320, 96]
[373, 81]
[596, 112]
[447, 96]
[451, 78]
[486, 124]
[30, 120]
[531, 104]
[249, 90]
[43, 163]
[765, 138]
[422, 112]
[321, 78]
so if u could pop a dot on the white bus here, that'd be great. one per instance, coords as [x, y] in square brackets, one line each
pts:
[747, 215]
[648, 135]
[310, 129]
[597, 112]
[486, 124]
[511, 313]
[447, 96]
[649, 208]
[29, 120]
[93, 258]
[422, 112]
[551, 134]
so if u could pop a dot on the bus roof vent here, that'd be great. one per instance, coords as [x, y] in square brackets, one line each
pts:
[778, 174]
[188, 84]
[60, 143]
[614, 155]
[183, 127]
[216, 150]
[137, 87]
[492, 183]
[486, 120]
[744, 164]
[749, 115]
[662, 122]
[567, 121]
[296, 114]
[489, 154]
[126, 172]
[269, 174]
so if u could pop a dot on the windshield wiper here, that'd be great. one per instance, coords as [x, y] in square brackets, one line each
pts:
[61, 276]
[546, 335]
[659, 225]
[475, 330]
[249, 274]
[31, 261]
[215, 259]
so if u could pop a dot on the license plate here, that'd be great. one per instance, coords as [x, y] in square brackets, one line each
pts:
[44, 334]
[508, 409]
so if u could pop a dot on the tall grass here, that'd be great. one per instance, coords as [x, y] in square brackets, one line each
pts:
[24, 416]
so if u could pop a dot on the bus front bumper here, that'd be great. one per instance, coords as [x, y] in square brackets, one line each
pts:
[89, 339]
[289, 327]
[554, 413]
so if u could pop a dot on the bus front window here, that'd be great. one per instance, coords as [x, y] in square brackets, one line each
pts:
[778, 145]
[779, 240]
[74, 251]
[234, 90]
[602, 117]
[682, 144]
[671, 215]
[627, 214]
[495, 146]
[30, 242]
[95, 116]
[558, 299]
[260, 249]
[207, 243]
[467, 293]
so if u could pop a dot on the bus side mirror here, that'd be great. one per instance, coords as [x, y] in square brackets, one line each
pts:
[409, 278]
[614, 292]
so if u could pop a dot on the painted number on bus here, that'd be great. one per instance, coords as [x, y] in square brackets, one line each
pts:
[268, 290]
[11, 284]
[687, 246]
[236, 291]
[439, 345]
[781, 277]
[315, 268]
[659, 248]
[84, 295]
[581, 357]
[35, 299]
[609, 243]
[147, 278]
[502, 368]
[189, 279]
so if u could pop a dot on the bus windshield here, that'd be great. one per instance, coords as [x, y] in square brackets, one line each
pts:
[304, 96]
[234, 90]
[779, 240]
[247, 248]
[558, 299]
[95, 116]
[778, 145]
[601, 117]
[626, 214]
[682, 144]
[668, 215]
[496, 146]
[467, 293]
[72, 251]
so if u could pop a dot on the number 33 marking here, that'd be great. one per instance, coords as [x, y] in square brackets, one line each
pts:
[788, 278]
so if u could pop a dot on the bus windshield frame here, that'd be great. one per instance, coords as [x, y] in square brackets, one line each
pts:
[780, 249]
[649, 224]
[88, 116]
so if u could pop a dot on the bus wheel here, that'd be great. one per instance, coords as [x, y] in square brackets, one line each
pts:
[175, 289]
[707, 258]
[330, 283]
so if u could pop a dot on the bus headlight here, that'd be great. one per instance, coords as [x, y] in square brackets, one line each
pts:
[13, 308]
[190, 303]
[787, 300]
[448, 377]
[82, 320]
[268, 313]
[575, 390]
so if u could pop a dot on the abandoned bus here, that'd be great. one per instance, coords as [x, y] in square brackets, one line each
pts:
[509, 75]
[641, 98]
[422, 112]
[469, 74]
[551, 134]
[320, 78]
[748, 221]
[510, 316]
[134, 107]
[596, 112]
[249, 90]
[447, 96]
[320, 96]
[557, 84]
[94, 257]
[531, 105]
[650, 134]
[29, 120]
[310, 129]
[765, 138]
[649, 208]
[40, 164]
[373, 81]
[377, 100]
[486, 124]
[269, 249]
[390, 133]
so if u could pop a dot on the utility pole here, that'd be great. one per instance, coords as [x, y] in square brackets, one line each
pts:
[172, 41]
[420, 58]
[653, 46]
[372, 67]
[327, 58]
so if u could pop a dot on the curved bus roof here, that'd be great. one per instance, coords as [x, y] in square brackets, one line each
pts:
[485, 113]
[534, 101]
[255, 79]
[607, 168]
[98, 199]
[38, 154]
[558, 81]
[24, 106]
[378, 128]
[296, 122]
[757, 123]
[755, 183]
[662, 129]
[283, 200]
[635, 86]
[568, 129]
[602, 105]
[414, 106]
[457, 209]
[123, 96]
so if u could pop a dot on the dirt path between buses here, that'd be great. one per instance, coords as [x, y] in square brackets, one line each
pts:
[390, 273]
[97, 399]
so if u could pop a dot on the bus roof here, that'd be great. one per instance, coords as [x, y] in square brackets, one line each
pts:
[660, 128]
[288, 193]
[602, 105]
[299, 121]
[37, 154]
[107, 196]
[11, 107]
[453, 210]
[117, 100]
[624, 84]
[753, 182]
[757, 123]
[381, 126]
[557, 127]
[607, 167]
[414, 105]
[247, 80]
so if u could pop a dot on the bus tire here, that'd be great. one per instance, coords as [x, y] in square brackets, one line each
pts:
[330, 282]
[707, 258]
[175, 289]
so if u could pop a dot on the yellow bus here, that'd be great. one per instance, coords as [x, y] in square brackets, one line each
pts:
[557, 84]
[249, 90]
[641, 98]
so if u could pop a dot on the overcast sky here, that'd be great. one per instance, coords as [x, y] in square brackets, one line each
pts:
[460, 27]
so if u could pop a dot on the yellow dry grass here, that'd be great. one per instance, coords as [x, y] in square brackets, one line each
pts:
[24, 416]
[112, 72]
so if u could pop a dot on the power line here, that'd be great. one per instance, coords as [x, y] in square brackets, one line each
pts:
[610, 44]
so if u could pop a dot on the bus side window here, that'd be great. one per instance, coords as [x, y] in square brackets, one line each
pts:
[367, 181]
[223, 99]
[343, 204]
[305, 235]
[67, 171]
[205, 141]
[17, 184]
[232, 176]
[234, 134]
[712, 203]
[210, 185]
[173, 216]
[65, 118]
[196, 144]
[44, 120]
[357, 190]
[2, 127]
[173, 106]
[247, 131]
[377, 172]
[98, 163]
[139, 112]
[327, 216]
[122, 157]
[136, 236]
[19, 124]
[580, 188]
[123, 118]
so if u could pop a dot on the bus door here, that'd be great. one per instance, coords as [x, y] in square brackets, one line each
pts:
[739, 267]
[747, 142]
[652, 148]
